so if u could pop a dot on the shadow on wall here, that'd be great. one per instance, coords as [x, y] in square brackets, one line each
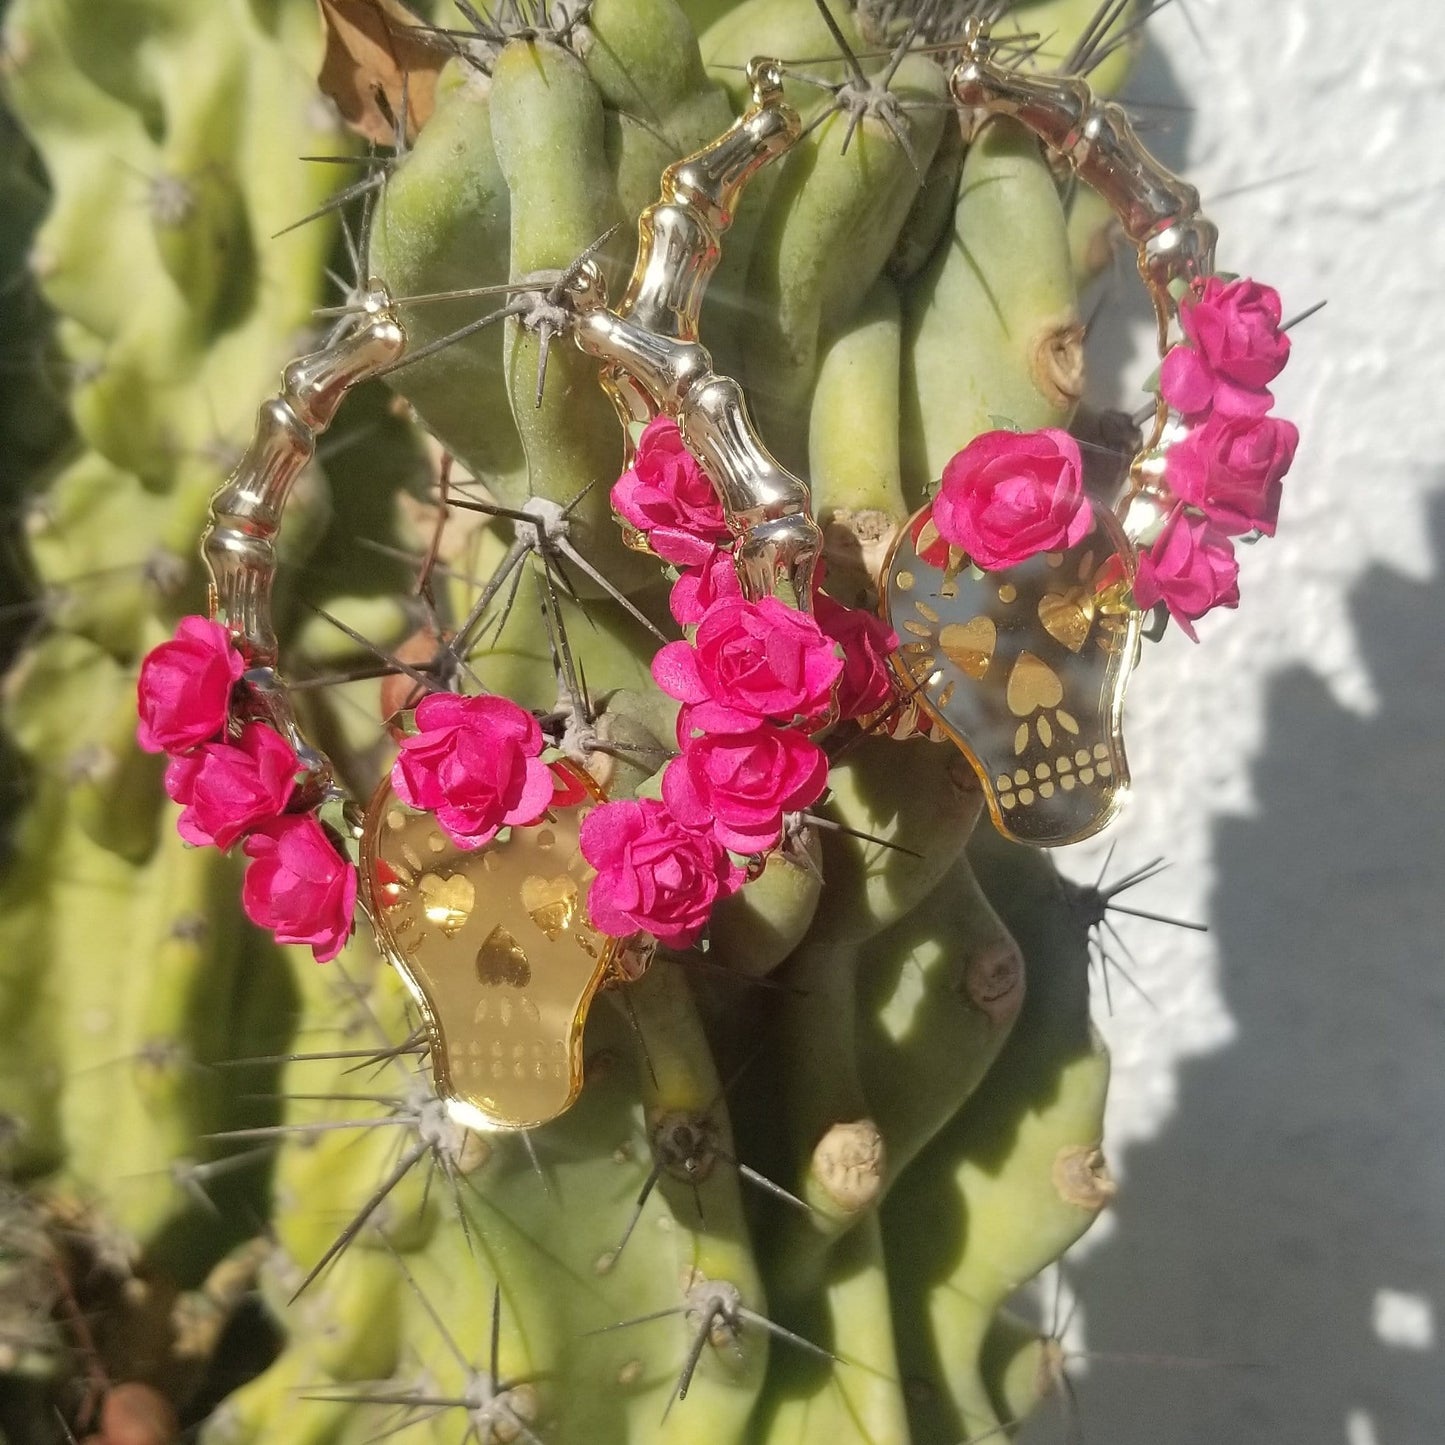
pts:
[1293, 1214]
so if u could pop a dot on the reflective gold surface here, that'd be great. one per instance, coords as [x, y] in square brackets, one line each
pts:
[1157, 210]
[496, 948]
[239, 545]
[655, 364]
[1024, 670]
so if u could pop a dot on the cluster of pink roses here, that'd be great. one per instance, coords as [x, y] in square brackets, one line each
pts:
[668, 497]
[752, 682]
[1227, 471]
[235, 784]
[1008, 496]
[753, 670]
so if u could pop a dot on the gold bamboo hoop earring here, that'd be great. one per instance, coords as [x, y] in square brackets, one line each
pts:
[1018, 648]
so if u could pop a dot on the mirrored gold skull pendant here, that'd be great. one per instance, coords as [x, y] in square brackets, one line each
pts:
[1024, 670]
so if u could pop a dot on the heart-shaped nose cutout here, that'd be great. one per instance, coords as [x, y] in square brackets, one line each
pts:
[1032, 684]
[502, 960]
[495, 946]
[1024, 669]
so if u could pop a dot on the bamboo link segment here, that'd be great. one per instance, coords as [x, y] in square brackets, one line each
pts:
[679, 237]
[1157, 211]
[655, 363]
[239, 545]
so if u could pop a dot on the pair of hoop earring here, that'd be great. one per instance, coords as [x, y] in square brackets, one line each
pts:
[1022, 665]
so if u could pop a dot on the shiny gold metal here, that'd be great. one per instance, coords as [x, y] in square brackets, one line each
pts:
[655, 363]
[1024, 671]
[1025, 668]
[495, 946]
[239, 544]
[679, 236]
[1158, 212]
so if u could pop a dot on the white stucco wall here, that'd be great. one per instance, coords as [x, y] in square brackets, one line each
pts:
[1278, 1123]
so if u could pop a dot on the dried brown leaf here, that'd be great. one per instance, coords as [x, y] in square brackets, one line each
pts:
[375, 51]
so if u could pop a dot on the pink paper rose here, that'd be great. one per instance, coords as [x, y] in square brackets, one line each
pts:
[227, 787]
[667, 495]
[709, 578]
[1191, 569]
[1232, 467]
[653, 875]
[1008, 496]
[474, 763]
[1237, 350]
[299, 886]
[866, 640]
[750, 661]
[184, 692]
[739, 785]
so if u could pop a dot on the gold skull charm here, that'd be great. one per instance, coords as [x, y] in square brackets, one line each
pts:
[495, 946]
[1024, 669]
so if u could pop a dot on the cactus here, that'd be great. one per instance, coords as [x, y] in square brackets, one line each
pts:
[810, 1165]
